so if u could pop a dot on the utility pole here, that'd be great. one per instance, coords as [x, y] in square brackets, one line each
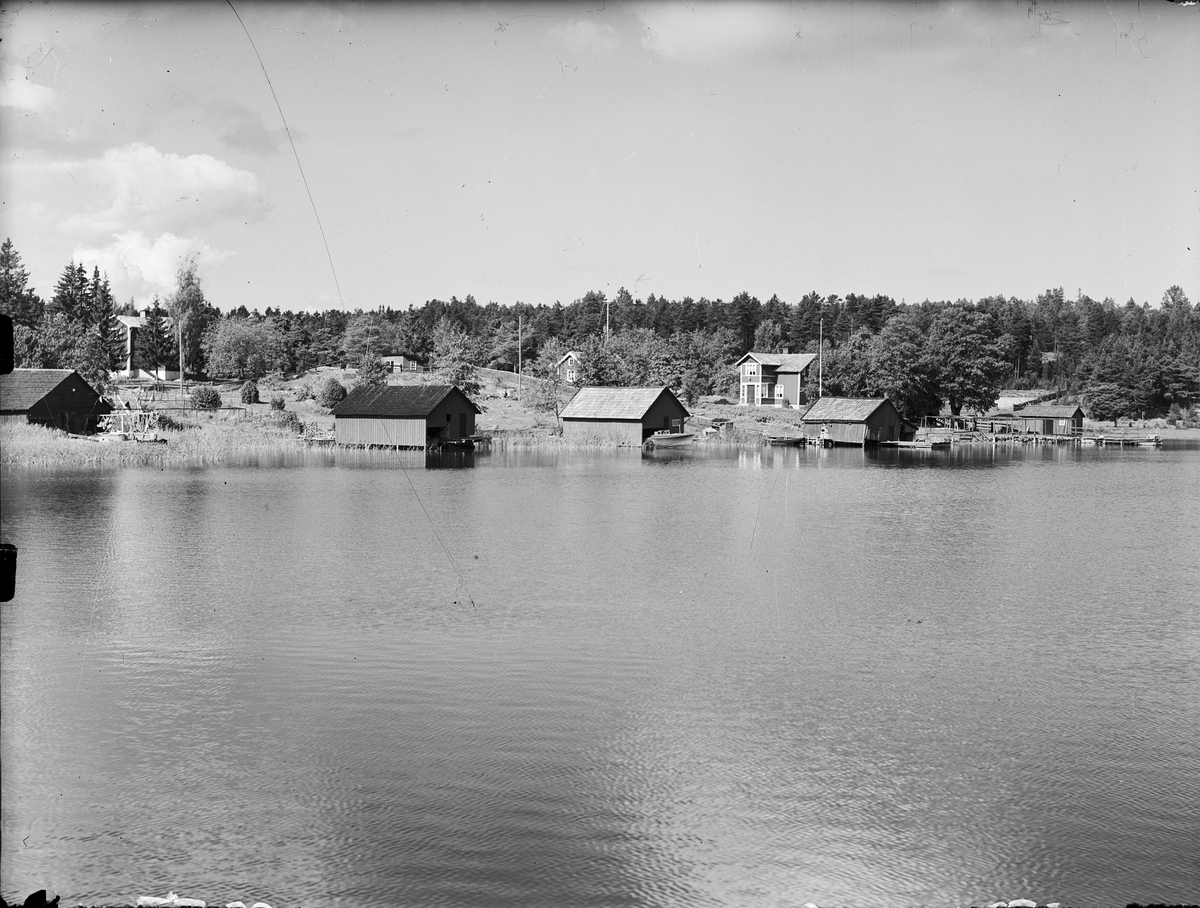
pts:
[520, 366]
[180, 319]
[821, 362]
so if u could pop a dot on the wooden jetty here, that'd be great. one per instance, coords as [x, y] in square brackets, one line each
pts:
[1122, 440]
[928, 444]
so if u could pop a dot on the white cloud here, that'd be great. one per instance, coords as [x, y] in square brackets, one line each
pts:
[150, 190]
[703, 31]
[140, 266]
[584, 35]
[17, 91]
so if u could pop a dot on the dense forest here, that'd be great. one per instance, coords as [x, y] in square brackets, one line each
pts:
[1118, 360]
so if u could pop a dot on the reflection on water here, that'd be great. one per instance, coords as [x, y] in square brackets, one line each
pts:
[722, 676]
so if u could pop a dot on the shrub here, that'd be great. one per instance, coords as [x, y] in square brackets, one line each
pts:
[372, 371]
[206, 397]
[250, 393]
[287, 419]
[166, 422]
[331, 392]
[276, 401]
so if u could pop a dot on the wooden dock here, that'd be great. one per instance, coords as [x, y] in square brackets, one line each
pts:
[928, 444]
[1122, 440]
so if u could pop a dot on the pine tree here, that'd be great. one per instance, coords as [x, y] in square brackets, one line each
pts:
[72, 293]
[153, 345]
[104, 318]
[17, 299]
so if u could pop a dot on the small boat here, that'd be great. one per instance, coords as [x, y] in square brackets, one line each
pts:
[927, 444]
[668, 440]
[458, 443]
[785, 440]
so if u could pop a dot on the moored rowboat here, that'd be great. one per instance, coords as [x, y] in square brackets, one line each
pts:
[668, 439]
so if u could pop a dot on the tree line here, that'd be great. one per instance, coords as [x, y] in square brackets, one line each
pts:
[1130, 358]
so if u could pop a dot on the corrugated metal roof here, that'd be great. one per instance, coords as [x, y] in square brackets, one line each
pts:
[613, 403]
[401, 401]
[25, 387]
[1048, 411]
[843, 409]
[784, 362]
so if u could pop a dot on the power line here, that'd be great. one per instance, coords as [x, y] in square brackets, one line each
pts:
[462, 580]
[295, 154]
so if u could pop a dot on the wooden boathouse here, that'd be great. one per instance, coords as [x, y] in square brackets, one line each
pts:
[58, 398]
[1050, 420]
[625, 415]
[856, 421]
[404, 416]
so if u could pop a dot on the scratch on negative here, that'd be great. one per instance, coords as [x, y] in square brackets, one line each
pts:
[647, 145]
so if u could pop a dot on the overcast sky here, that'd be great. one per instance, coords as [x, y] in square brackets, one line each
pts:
[535, 151]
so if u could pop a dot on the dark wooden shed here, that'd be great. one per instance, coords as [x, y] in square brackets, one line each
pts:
[1050, 419]
[625, 415]
[404, 416]
[58, 398]
[856, 420]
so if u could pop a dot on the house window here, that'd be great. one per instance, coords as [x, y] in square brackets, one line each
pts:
[570, 375]
[752, 368]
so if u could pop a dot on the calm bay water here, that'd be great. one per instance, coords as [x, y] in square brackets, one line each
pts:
[719, 678]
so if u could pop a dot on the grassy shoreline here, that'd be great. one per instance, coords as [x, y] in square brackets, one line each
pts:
[247, 430]
[210, 440]
[213, 442]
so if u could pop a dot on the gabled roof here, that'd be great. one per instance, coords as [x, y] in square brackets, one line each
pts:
[22, 389]
[403, 401]
[843, 409]
[614, 403]
[566, 356]
[139, 321]
[783, 362]
[1049, 411]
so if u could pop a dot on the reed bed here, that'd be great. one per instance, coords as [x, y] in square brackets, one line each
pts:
[199, 440]
[544, 438]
